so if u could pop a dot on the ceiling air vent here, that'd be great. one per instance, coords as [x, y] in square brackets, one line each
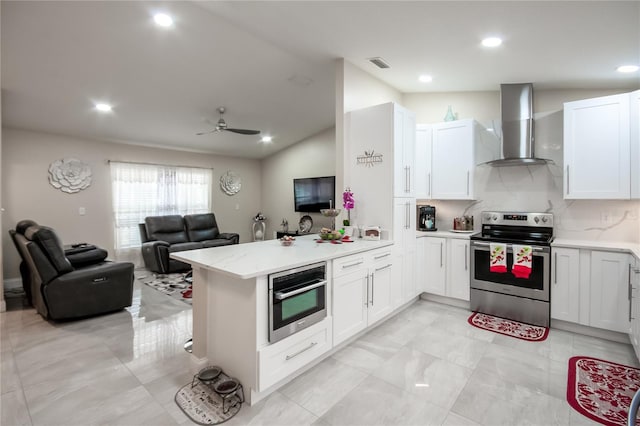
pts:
[379, 62]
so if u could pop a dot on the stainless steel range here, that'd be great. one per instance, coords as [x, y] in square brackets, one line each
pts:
[506, 292]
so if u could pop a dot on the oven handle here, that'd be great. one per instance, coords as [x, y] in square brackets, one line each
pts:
[509, 246]
[281, 296]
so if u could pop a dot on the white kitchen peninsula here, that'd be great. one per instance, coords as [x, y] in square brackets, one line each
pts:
[230, 309]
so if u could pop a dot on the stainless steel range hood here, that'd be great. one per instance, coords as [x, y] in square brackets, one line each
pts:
[516, 105]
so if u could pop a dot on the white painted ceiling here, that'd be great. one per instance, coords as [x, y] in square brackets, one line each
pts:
[272, 64]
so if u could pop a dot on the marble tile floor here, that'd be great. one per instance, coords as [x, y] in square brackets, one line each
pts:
[424, 366]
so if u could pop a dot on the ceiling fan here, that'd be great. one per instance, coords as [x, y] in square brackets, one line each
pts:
[221, 125]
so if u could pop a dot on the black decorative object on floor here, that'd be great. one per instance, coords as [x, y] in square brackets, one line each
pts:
[205, 401]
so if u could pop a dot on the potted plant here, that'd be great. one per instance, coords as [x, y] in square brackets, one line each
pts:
[348, 203]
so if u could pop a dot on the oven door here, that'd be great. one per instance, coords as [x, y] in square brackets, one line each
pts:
[535, 287]
[294, 308]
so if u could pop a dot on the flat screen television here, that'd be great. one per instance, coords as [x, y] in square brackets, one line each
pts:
[312, 194]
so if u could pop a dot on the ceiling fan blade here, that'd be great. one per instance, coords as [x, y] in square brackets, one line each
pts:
[243, 131]
[206, 133]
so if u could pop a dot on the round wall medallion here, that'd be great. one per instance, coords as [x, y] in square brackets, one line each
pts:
[230, 183]
[69, 175]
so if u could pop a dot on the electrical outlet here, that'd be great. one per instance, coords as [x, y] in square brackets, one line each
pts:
[606, 218]
[82, 211]
[237, 206]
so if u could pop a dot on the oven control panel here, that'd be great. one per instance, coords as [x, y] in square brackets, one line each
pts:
[518, 219]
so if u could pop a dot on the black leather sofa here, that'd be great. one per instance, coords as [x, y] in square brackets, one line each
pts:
[163, 235]
[76, 285]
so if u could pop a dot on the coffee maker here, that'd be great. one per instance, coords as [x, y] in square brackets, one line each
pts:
[427, 218]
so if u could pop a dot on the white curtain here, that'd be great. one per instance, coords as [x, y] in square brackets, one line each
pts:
[141, 190]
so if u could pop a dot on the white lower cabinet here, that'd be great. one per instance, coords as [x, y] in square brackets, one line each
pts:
[434, 271]
[443, 266]
[610, 298]
[279, 360]
[634, 290]
[592, 288]
[458, 269]
[565, 284]
[362, 291]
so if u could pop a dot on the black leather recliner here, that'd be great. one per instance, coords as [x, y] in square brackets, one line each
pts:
[163, 235]
[62, 289]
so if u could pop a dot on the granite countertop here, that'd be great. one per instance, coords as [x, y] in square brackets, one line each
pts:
[632, 248]
[250, 260]
[445, 234]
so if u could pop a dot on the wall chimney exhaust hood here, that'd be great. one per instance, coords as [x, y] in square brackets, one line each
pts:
[516, 107]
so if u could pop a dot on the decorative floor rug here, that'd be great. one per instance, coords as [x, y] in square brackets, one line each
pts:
[519, 330]
[601, 390]
[203, 406]
[172, 285]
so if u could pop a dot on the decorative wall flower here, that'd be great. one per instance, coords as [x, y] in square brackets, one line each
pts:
[69, 175]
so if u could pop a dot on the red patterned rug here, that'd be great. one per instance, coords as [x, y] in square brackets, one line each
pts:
[601, 390]
[519, 330]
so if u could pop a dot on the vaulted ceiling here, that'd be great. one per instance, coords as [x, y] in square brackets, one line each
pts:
[272, 64]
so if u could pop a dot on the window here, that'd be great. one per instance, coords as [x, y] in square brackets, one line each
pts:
[141, 190]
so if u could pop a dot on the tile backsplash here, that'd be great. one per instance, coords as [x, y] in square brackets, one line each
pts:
[539, 189]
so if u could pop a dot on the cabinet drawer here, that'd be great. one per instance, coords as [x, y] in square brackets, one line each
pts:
[279, 360]
[381, 256]
[349, 264]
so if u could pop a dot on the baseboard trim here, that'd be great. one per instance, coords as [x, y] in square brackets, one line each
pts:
[10, 283]
[614, 336]
[458, 303]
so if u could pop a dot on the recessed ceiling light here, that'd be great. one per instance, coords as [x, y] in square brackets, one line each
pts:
[163, 19]
[492, 42]
[266, 139]
[425, 78]
[627, 68]
[103, 107]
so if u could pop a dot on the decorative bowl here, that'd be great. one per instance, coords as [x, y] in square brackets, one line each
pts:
[330, 236]
[287, 242]
[330, 212]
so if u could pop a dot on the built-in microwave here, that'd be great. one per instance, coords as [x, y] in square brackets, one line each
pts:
[297, 299]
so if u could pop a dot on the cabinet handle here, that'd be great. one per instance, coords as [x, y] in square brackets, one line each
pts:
[555, 268]
[629, 293]
[288, 357]
[406, 179]
[467, 182]
[384, 267]
[441, 254]
[408, 215]
[409, 188]
[366, 299]
[351, 265]
[381, 256]
[465, 258]
[429, 184]
[371, 289]
[567, 180]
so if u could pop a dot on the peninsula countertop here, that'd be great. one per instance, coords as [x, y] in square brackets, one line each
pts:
[250, 260]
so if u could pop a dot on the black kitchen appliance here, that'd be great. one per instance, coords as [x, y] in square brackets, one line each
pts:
[427, 218]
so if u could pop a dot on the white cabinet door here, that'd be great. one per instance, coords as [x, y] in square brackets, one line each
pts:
[596, 148]
[421, 264]
[634, 123]
[435, 280]
[458, 269]
[381, 280]
[565, 284]
[349, 305]
[452, 160]
[423, 161]
[404, 134]
[634, 282]
[610, 303]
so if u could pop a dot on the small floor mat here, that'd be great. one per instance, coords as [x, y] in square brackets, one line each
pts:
[172, 285]
[204, 406]
[519, 330]
[601, 390]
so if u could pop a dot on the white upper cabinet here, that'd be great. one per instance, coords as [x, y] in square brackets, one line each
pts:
[404, 137]
[423, 161]
[597, 148]
[447, 155]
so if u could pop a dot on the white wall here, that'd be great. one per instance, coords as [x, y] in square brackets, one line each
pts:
[532, 188]
[27, 194]
[311, 157]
